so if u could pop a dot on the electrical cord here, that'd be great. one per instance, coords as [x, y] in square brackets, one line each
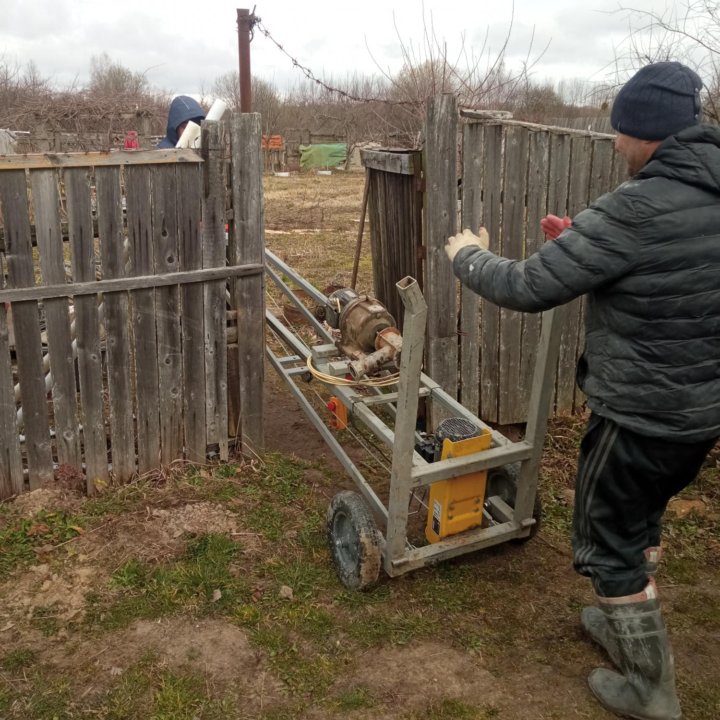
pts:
[332, 380]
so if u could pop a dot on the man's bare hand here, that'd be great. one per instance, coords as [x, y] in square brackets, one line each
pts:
[465, 239]
[552, 225]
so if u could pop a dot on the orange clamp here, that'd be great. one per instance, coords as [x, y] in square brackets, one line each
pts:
[338, 412]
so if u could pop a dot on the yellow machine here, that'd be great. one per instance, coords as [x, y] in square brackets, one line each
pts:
[456, 504]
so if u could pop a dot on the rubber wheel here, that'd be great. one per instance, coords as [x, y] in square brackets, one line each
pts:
[354, 541]
[502, 481]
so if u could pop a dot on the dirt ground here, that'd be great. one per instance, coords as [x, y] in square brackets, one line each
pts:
[208, 592]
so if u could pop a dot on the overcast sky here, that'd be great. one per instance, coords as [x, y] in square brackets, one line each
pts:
[183, 47]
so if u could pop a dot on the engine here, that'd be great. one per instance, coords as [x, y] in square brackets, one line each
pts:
[367, 330]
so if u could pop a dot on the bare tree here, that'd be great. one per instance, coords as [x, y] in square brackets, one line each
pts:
[95, 118]
[265, 98]
[22, 93]
[536, 102]
[109, 78]
[689, 33]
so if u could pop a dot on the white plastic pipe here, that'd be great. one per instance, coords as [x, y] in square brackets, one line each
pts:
[190, 137]
[217, 110]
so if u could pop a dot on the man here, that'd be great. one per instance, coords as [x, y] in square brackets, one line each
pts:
[648, 258]
[182, 110]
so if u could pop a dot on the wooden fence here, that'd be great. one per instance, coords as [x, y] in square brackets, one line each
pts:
[119, 362]
[395, 214]
[513, 174]
[487, 169]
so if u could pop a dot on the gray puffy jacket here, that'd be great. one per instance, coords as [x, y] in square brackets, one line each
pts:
[648, 257]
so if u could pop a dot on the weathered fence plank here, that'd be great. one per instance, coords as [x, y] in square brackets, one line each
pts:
[380, 233]
[513, 243]
[116, 308]
[140, 282]
[189, 195]
[87, 327]
[557, 204]
[441, 223]
[167, 307]
[249, 294]
[26, 319]
[34, 161]
[11, 472]
[403, 163]
[537, 184]
[578, 193]
[46, 207]
[395, 210]
[602, 168]
[619, 171]
[214, 255]
[140, 236]
[559, 174]
[472, 218]
[490, 332]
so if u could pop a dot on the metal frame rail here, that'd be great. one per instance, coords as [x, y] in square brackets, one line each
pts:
[409, 470]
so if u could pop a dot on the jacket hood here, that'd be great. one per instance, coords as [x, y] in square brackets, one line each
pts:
[691, 156]
[182, 109]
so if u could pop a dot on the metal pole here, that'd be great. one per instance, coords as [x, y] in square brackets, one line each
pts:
[243, 23]
[404, 445]
[358, 244]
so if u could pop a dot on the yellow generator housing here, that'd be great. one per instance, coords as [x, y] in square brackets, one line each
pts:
[456, 505]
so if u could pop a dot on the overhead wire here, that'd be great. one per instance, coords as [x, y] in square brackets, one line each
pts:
[257, 22]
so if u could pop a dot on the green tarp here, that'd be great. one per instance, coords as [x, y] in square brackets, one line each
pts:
[322, 156]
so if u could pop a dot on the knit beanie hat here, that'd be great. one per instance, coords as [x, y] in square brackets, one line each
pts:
[660, 100]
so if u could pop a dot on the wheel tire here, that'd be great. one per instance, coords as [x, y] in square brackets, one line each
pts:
[354, 541]
[502, 481]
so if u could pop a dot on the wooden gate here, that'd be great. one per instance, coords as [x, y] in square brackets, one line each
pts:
[511, 175]
[114, 297]
[395, 214]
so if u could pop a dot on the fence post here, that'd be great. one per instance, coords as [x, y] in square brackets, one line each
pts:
[11, 472]
[248, 295]
[472, 217]
[213, 214]
[440, 223]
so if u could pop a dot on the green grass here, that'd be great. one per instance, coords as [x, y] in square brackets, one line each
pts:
[357, 698]
[145, 691]
[17, 660]
[267, 519]
[45, 619]
[50, 701]
[697, 610]
[117, 500]
[178, 697]
[6, 698]
[21, 536]
[311, 638]
[131, 693]
[704, 696]
[188, 585]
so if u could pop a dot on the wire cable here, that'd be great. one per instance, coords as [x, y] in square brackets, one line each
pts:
[388, 381]
[256, 22]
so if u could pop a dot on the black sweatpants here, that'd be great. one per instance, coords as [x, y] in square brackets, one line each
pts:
[624, 483]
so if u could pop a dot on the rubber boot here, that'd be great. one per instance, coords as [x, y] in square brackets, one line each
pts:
[593, 618]
[645, 688]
